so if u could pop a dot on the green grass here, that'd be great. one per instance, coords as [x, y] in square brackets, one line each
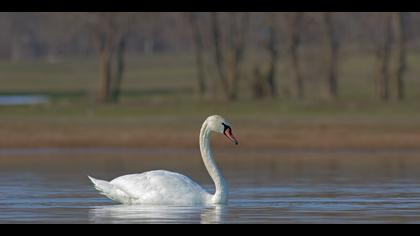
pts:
[163, 85]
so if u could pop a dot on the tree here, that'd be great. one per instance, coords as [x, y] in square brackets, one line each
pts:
[274, 54]
[294, 33]
[193, 19]
[116, 88]
[229, 51]
[332, 53]
[264, 84]
[400, 28]
[110, 31]
[390, 40]
[21, 28]
[383, 42]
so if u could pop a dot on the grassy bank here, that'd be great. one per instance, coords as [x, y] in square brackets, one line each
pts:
[257, 124]
[158, 108]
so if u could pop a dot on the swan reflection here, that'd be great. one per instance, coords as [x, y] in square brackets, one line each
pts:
[157, 214]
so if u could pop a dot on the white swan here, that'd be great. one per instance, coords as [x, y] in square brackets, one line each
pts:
[162, 187]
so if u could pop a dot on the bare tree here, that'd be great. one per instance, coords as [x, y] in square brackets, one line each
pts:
[259, 87]
[332, 53]
[294, 32]
[264, 83]
[218, 51]
[120, 64]
[383, 55]
[226, 36]
[21, 27]
[239, 24]
[52, 34]
[104, 36]
[229, 53]
[193, 19]
[274, 54]
[400, 26]
[110, 31]
[390, 40]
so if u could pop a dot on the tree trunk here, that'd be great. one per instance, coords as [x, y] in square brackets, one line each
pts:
[199, 49]
[295, 29]
[383, 56]
[103, 95]
[218, 54]
[258, 84]
[400, 37]
[233, 79]
[116, 85]
[264, 84]
[239, 32]
[110, 32]
[229, 70]
[332, 55]
[272, 47]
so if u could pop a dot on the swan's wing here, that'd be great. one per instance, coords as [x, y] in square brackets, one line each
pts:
[161, 187]
[110, 190]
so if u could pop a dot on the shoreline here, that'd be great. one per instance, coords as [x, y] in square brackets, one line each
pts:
[176, 151]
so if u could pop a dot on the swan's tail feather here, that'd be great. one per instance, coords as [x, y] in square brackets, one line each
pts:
[101, 185]
[109, 190]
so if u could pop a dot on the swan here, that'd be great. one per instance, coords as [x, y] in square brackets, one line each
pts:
[161, 187]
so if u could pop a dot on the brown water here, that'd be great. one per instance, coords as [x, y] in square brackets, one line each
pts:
[266, 186]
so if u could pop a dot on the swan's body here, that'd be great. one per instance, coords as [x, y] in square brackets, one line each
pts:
[154, 187]
[164, 187]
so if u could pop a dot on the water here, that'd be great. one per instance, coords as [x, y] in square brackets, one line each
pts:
[12, 100]
[50, 186]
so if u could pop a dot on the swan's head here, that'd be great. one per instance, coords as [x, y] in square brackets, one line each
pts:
[218, 124]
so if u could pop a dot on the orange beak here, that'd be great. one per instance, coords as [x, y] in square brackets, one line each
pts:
[228, 133]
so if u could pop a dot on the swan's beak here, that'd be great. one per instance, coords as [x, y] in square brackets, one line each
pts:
[228, 133]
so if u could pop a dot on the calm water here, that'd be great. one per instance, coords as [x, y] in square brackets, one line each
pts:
[13, 100]
[275, 186]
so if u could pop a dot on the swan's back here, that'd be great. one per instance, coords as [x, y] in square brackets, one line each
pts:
[158, 187]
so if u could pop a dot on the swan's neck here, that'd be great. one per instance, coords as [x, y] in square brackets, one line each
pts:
[221, 193]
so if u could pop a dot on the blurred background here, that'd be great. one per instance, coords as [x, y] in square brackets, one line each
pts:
[325, 106]
[288, 80]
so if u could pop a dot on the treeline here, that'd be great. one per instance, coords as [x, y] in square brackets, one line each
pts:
[224, 41]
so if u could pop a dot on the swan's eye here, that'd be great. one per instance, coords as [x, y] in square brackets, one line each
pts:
[225, 127]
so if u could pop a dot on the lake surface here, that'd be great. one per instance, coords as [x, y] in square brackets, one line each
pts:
[13, 100]
[271, 186]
